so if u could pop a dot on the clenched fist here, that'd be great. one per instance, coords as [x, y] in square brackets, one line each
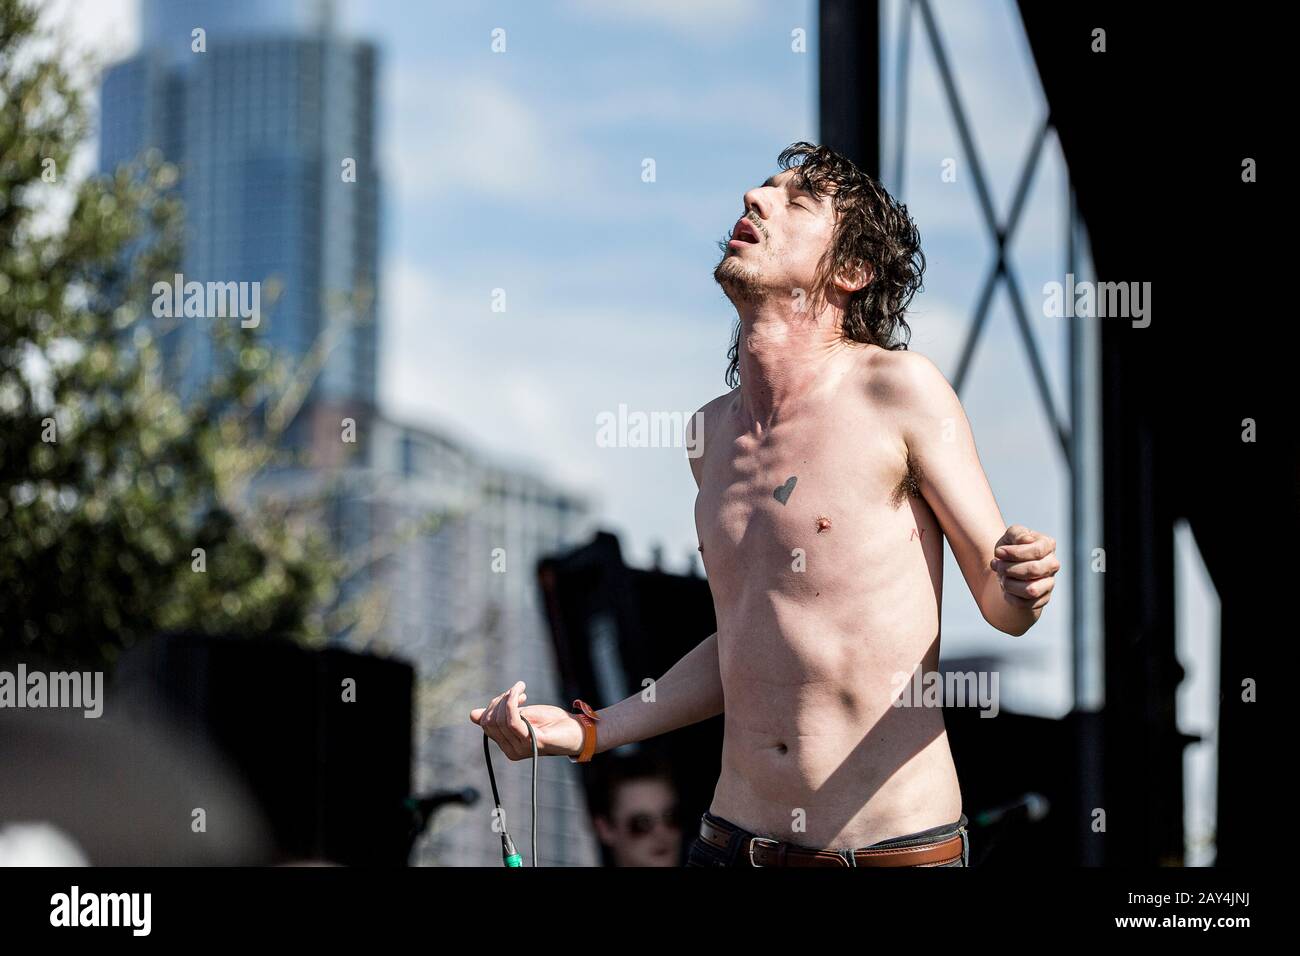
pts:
[1025, 563]
[559, 733]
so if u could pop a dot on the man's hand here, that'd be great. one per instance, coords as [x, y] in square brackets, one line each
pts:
[1025, 563]
[559, 733]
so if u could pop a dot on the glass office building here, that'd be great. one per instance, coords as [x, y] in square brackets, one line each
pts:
[268, 113]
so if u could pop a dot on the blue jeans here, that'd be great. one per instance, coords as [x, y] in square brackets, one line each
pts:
[737, 852]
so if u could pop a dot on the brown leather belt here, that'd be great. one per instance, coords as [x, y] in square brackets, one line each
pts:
[765, 852]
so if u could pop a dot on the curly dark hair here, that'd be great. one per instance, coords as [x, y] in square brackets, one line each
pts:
[870, 226]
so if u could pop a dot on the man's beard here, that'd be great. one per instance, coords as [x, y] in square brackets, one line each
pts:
[739, 281]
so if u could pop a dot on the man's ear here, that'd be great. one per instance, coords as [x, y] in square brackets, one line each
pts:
[856, 275]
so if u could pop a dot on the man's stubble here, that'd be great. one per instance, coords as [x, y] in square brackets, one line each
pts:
[739, 281]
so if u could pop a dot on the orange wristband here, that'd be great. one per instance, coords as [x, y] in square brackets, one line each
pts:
[587, 717]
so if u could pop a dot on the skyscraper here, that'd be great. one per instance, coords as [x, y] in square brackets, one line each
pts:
[270, 115]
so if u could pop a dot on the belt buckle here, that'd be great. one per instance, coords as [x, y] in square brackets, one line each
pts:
[751, 847]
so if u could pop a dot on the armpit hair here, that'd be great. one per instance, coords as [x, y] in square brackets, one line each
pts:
[909, 486]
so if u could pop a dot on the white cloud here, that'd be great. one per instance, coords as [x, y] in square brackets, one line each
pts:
[767, 109]
[108, 29]
[86, 37]
[474, 134]
[939, 329]
[528, 389]
[684, 16]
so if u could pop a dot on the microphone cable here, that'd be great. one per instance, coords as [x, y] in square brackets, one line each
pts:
[509, 856]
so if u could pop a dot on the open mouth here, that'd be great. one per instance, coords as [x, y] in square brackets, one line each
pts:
[745, 231]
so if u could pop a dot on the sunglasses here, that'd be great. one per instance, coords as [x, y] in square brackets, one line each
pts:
[641, 824]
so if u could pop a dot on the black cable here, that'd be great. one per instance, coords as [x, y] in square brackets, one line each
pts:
[508, 852]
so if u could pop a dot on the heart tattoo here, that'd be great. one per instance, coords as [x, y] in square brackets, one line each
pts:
[782, 494]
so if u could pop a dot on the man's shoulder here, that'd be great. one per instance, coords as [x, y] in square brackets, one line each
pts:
[902, 380]
[713, 406]
[702, 423]
[710, 413]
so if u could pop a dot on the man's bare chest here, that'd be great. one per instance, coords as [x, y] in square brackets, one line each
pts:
[824, 494]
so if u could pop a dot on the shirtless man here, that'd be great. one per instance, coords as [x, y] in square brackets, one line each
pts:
[826, 479]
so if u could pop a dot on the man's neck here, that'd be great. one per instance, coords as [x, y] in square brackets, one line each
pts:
[785, 356]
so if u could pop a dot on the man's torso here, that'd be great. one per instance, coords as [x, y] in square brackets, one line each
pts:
[821, 603]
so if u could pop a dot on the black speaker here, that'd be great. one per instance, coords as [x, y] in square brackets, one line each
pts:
[612, 627]
[322, 738]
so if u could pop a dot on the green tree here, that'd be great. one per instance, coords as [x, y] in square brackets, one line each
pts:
[123, 512]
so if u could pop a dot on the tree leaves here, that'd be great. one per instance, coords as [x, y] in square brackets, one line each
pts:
[99, 526]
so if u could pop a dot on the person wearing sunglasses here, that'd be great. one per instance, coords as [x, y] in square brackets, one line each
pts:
[636, 815]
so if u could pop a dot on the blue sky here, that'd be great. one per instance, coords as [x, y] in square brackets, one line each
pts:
[522, 171]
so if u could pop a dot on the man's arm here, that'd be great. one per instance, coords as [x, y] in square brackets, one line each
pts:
[691, 691]
[1010, 571]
